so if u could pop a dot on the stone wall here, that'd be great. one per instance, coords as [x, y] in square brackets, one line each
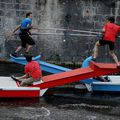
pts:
[85, 15]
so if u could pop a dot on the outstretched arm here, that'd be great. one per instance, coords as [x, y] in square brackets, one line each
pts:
[9, 34]
[23, 77]
[16, 29]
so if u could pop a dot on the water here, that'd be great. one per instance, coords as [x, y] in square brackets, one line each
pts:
[58, 103]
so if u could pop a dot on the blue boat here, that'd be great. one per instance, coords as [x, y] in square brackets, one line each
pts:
[47, 67]
[112, 84]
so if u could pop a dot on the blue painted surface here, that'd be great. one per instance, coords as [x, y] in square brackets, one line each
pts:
[103, 87]
[89, 81]
[22, 60]
[51, 68]
[86, 62]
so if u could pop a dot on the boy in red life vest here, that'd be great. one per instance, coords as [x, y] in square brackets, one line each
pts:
[32, 72]
[110, 31]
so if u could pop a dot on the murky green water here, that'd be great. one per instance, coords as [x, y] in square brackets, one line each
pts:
[58, 103]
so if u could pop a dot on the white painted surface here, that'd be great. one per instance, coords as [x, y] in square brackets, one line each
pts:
[7, 82]
[20, 88]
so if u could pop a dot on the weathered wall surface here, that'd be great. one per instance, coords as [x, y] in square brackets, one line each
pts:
[71, 14]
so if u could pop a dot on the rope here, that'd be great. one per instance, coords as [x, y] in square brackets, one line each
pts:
[71, 30]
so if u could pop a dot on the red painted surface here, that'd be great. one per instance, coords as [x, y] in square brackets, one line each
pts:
[95, 69]
[19, 93]
[103, 65]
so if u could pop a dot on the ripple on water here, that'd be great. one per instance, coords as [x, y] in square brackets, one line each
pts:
[25, 112]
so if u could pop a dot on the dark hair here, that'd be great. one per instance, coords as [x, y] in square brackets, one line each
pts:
[28, 14]
[28, 58]
[111, 19]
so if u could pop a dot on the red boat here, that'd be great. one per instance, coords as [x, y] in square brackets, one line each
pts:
[11, 89]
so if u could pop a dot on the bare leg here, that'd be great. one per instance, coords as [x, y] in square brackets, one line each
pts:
[111, 52]
[28, 48]
[23, 77]
[95, 50]
[18, 49]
